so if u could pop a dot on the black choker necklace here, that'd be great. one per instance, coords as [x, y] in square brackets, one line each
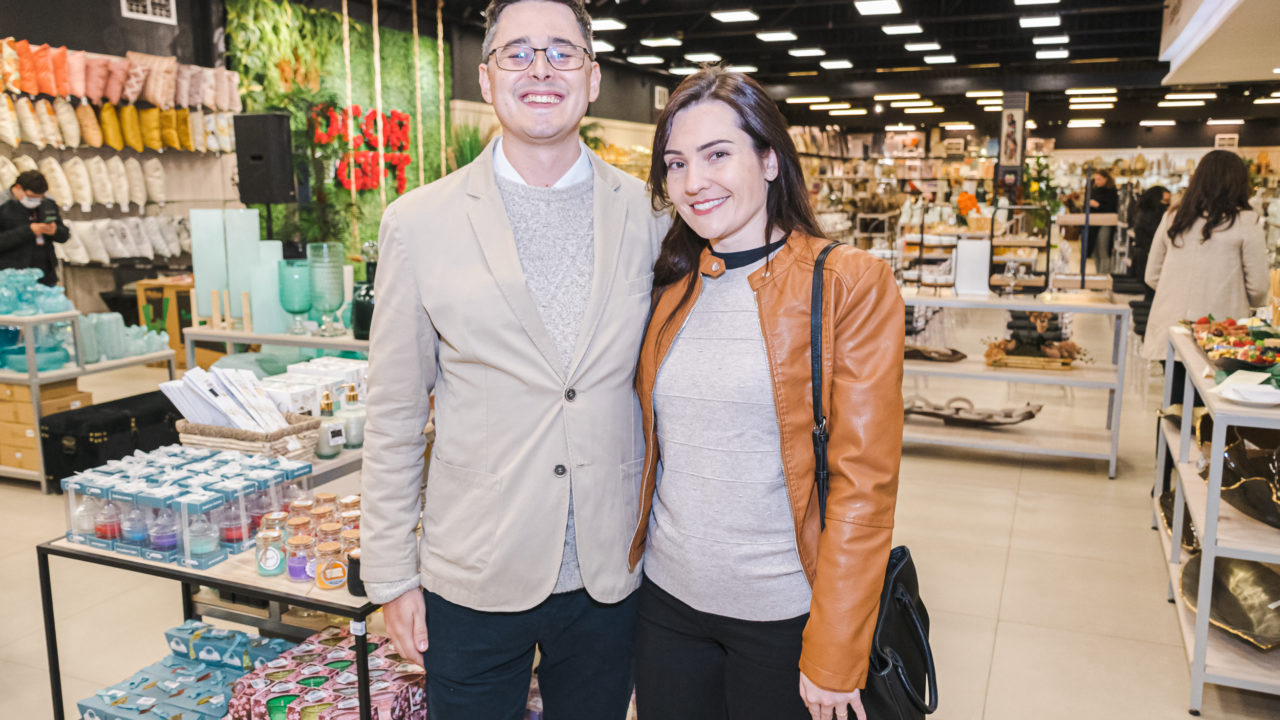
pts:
[743, 258]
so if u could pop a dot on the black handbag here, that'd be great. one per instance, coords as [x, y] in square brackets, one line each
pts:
[901, 659]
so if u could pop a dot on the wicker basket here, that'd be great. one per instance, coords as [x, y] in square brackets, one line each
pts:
[303, 429]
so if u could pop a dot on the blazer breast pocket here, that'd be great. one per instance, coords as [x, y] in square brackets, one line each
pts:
[641, 285]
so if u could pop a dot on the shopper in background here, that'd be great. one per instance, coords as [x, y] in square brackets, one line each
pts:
[1209, 256]
[1103, 198]
[517, 290]
[30, 224]
[1152, 205]
[744, 598]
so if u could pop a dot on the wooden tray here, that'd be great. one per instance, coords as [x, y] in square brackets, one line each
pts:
[1026, 362]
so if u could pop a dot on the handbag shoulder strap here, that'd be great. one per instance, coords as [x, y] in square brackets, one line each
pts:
[821, 475]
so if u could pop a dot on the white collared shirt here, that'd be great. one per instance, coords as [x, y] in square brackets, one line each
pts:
[578, 172]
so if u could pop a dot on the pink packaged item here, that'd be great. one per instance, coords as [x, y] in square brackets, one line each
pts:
[134, 81]
[182, 85]
[76, 73]
[311, 703]
[95, 77]
[236, 105]
[209, 88]
[117, 73]
[195, 93]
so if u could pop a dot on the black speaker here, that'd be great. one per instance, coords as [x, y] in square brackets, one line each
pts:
[264, 157]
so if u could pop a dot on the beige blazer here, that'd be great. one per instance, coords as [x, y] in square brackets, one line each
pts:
[455, 317]
[1225, 276]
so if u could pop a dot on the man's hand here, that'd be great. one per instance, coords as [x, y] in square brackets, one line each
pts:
[406, 619]
[822, 703]
[44, 228]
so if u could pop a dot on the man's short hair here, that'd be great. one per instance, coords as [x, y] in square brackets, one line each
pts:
[497, 6]
[33, 182]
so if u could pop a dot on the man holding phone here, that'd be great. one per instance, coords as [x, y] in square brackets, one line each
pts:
[29, 226]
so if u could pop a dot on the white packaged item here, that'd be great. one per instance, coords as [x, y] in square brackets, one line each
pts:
[59, 188]
[152, 228]
[115, 239]
[24, 163]
[92, 239]
[81, 185]
[49, 124]
[119, 181]
[169, 229]
[137, 182]
[226, 132]
[138, 238]
[196, 122]
[211, 133]
[68, 123]
[184, 233]
[153, 175]
[103, 194]
[8, 172]
[353, 371]
[73, 250]
[8, 122]
[293, 397]
[28, 124]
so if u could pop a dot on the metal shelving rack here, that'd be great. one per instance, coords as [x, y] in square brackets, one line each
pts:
[1223, 531]
[1093, 443]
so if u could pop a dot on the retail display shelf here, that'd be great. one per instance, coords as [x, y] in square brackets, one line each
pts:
[1025, 438]
[1228, 661]
[17, 473]
[41, 319]
[323, 471]
[1239, 535]
[1095, 219]
[1073, 302]
[201, 333]
[1223, 410]
[1093, 376]
[1000, 241]
[71, 372]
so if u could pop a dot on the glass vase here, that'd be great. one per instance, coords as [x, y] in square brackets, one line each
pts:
[325, 261]
[295, 292]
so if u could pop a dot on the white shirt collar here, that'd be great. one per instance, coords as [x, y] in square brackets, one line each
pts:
[578, 172]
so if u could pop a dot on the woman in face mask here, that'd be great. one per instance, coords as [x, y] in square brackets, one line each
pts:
[29, 225]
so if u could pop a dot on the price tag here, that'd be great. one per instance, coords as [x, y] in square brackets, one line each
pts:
[357, 628]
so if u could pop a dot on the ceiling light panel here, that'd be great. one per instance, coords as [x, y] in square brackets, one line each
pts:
[922, 47]
[939, 59]
[806, 52]
[1057, 54]
[606, 24]
[984, 94]
[1036, 2]
[991, 101]
[1051, 39]
[1086, 123]
[912, 29]
[1030, 124]
[733, 16]
[742, 68]
[600, 46]
[853, 111]
[1040, 21]
[1091, 91]
[776, 36]
[877, 7]
[645, 60]
[900, 128]
[683, 70]
[1091, 98]
[1192, 96]
[911, 103]
[1093, 106]
[702, 57]
[896, 96]
[808, 99]
[957, 126]
[830, 106]
[1180, 103]
[1157, 123]
[923, 110]
[661, 42]
[1267, 101]
[1225, 122]
[835, 64]
[993, 108]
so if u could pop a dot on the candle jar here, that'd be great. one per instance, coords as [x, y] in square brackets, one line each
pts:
[326, 498]
[355, 585]
[82, 517]
[258, 506]
[290, 493]
[348, 502]
[133, 527]
[350, 540]
[162, 532]
[331, 566]
[201, 535]
[231, 526]
[270, 554]
[350, 520]
[106, 523]
[301, 507]
[297, 526]
[322, 514]
[300, 558]
[274, 521]
[328, 532]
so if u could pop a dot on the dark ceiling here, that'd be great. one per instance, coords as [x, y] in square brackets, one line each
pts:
[1112, 43]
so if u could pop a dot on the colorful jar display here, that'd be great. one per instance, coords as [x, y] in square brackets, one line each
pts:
[201, 535]
[274, 521]
[231, 526]
[322, 514]
[290, 493]
[296, 526]
[133, 527]
[350, 519]
[258, 506]
[301, 507]
[82, 518]
[326, 498]
[328, 532]
[348, 502]
[350, 540]
[163, 530]
[300, 558]
[106, 524]
[331, 566]
[270, 553]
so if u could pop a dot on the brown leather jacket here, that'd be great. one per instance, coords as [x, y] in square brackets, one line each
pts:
[862, 396]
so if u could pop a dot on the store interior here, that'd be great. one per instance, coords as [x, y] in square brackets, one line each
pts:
[197, 375]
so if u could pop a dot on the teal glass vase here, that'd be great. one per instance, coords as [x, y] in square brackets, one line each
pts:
[295, 292]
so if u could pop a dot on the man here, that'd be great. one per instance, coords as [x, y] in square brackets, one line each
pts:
[517, 290]
[29, 226]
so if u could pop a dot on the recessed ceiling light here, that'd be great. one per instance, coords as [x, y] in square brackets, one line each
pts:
[1091, 91]
[1051, 39]
[991, 101]
[922, 46]
[1036, 2]
[911, 103]
[1156, 123]
[1267, 101]
[957, 126]
[1093, 106]
[939, 59]
[896, 96]
[776, 35]
[1225, 122]
[661, 42]
[704, 57]
[899, 127]
[1031, 124]
[1039, 21]
[877, 7]
[1092, 99]
[606, 24]
[683, 70]
[1192, 96]
[742, 68]
[984, 94]
[911, 29]
[923, 110]
[1180, 103]
[733, 16]
[835, 64]
[600, 46]
[993, 108]
[854, 111]
[830, 106]
[806, 52]
[644, 60]
[1090, 123]
[808, 99]
[1057, 54]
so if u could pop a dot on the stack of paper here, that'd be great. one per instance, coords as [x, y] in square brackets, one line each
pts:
[227, 398]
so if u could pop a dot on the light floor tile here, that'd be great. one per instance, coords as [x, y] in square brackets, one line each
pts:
[958, 577]
[962, 647]
[1083, 526]
[24, 692]
[950, 512]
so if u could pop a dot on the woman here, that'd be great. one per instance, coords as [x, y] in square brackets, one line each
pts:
[744, 598]
[1103, 198]
[1152, 205]
[1209, 256]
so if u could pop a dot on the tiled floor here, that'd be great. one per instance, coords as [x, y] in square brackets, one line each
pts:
[1043, 578]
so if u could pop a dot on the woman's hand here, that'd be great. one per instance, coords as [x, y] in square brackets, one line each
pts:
[822, 703]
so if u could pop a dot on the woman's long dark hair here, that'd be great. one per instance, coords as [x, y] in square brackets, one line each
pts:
[787, 203]
[1218, 191]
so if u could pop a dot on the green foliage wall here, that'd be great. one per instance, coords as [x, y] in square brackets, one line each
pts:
[290, 58]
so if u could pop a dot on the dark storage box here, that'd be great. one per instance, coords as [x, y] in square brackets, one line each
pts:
[83, 439]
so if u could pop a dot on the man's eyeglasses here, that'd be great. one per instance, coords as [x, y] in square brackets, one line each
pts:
[559, 56]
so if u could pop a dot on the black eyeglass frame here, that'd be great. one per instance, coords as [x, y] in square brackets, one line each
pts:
[586, 55]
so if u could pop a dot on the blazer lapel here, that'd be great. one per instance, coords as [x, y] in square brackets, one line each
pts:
[609, 221]
[493, 232]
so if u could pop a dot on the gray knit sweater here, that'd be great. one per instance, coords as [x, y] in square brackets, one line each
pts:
[721, 536]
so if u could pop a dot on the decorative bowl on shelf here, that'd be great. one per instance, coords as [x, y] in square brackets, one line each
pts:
[15, 358]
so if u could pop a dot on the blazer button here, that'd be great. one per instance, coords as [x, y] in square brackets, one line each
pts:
[561, 470]
[570, 394]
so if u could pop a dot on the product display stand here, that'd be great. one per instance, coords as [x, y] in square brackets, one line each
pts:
[1034, 281]
[34, 378]
[1222, 530]
[1098, 444]
[202, 333]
